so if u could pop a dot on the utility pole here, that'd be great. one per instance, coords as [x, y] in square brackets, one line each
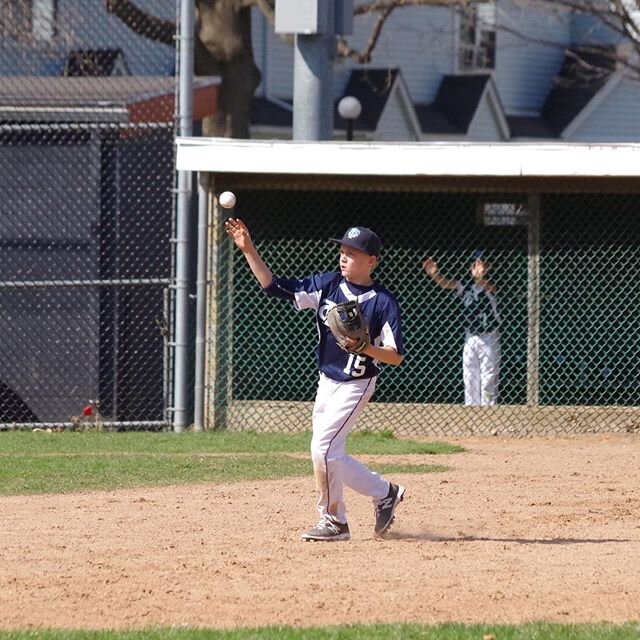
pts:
[314, 24]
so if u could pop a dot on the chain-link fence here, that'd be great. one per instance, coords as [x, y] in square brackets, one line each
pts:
[566, 266]
[86, 184]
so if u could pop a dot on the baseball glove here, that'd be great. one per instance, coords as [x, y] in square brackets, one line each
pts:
[345, 320]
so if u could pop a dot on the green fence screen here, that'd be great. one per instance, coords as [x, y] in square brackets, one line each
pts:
[566, 266]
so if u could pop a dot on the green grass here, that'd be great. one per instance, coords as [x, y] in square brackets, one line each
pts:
[74, 461]
[218, 442]
[27, 474]
[534, 631]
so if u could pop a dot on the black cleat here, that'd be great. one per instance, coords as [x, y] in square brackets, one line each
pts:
[386, 508]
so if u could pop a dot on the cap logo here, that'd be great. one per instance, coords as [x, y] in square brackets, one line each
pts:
[353, 233]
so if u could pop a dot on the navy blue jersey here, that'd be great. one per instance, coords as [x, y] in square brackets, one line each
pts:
[480, 309]
[322, 291]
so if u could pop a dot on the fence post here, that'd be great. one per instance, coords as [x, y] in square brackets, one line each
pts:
[533, 301]
[204, 199]
[218, 348]
[184, 114]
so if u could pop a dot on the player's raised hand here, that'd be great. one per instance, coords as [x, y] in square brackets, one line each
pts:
[430, 266]
[239, 233]
[479, 268]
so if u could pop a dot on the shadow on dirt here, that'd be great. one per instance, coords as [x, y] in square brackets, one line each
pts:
[430, 537]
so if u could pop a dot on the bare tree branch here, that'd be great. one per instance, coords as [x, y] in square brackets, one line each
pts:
[629, 24]
[616, 15]
[365, 56]
[616, 57]
[383, 5]
[266, 6]
[143, 23]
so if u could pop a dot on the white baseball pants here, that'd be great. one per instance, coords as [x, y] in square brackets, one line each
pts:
[480, 368]
[336, 409]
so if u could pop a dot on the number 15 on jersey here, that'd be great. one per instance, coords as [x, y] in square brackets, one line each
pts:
[355, 365]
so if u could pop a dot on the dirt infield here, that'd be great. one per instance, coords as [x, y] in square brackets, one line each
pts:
[517, 530]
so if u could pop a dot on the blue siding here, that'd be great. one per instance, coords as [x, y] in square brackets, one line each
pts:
[526, 65]
[279, 68]
[615, 119]
[87, 24]
[395, 124]
[586, 29]
[36, 60]
[419, 40]
[259, 37]
[143, 56]
[484, 125]
[422, 42]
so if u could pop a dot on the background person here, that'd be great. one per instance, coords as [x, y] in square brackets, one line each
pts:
[481, 353]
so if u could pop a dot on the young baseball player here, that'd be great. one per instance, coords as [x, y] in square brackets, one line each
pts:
[347, 378]
[481, 353]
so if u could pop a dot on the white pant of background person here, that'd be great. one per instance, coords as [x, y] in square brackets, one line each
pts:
[336, 409]
[480, 368]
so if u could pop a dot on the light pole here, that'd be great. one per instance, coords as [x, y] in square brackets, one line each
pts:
[349, 109]
[315, 25]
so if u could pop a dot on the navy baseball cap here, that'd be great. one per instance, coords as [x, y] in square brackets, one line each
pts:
[485, 256]
[361, 238]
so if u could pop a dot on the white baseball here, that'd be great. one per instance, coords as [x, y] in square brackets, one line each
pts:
[227, 199]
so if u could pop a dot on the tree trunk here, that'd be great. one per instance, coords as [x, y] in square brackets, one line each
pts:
[222, 48]
[225, 34]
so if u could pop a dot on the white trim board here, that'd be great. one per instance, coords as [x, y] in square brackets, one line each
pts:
[226, 155]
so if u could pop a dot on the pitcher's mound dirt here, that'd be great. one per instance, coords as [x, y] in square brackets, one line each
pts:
[517, 530]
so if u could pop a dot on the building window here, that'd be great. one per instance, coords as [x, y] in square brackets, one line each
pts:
[477, 36]
[28, 20]
[43, 19]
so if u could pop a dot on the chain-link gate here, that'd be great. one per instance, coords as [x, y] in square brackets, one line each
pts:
[566, 267]
[86, 180]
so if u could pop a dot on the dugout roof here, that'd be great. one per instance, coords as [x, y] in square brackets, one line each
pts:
[432, 159]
